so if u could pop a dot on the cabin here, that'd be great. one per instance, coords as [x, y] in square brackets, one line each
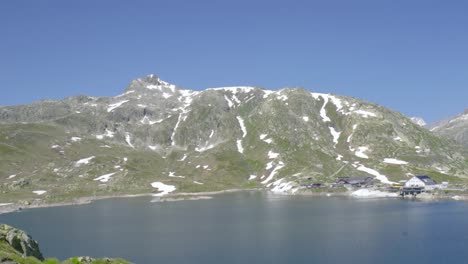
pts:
[356, 180]
[421, 181]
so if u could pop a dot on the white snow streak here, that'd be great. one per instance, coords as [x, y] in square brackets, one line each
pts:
[335, 134]
[152, 147]
[360, 152]
[230, 103]
[105, 177]
[242, 125]
[39, 192]
[183, 158]
[128, 140]
[175, 129]
[84, 161]
[378, 176]
[239, 146]
[202, 149]
[116, 105]
[395, 161]
[323, 112]
[273, 173]
[129, 92]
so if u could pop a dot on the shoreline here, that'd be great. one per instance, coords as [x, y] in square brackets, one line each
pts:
[10, 208]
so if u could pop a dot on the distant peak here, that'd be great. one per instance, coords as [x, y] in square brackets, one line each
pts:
[152, 82]
[419, 121]
[152, 79]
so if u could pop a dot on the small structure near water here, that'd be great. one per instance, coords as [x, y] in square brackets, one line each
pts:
[421, 181]
[356, 181]
[417, 185]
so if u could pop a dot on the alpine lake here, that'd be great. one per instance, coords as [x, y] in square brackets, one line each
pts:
[253, 227]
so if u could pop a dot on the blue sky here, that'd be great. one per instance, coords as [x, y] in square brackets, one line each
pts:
[408, 55]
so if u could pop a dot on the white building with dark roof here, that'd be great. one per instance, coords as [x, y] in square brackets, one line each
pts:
[421, 181]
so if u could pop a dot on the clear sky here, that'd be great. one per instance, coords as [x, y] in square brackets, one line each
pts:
[408, 55]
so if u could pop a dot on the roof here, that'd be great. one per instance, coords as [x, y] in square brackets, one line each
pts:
[426, 179]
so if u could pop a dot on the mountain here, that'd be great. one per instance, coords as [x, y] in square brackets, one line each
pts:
[455, 128]
[157, 136]
[419, 121]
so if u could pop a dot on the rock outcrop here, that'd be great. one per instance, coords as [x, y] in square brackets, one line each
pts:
[20, 241]
[17, 247]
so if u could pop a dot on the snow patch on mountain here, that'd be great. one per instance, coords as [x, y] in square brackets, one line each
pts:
[126, 93]
[273, 172]
[252, 177]
[364, 113]
[105, 177]
[239, 146]
[335, 134]
[112, 107]
[84, 161]
[272, 155]
[163, 188]
[229, 102]
[242, 126]
[394, 161]
[172, 175]
[282, 187]
[108, 134]
[382, 178]
[360, 152]
[234, 89]
[128, 139]
[205, 148]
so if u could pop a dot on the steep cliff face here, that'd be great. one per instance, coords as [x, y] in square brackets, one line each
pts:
[157, 136]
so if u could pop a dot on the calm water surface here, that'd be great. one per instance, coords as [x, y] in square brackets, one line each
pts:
[253, 227]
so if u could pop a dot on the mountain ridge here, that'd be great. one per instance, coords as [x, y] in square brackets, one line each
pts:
[158, 134]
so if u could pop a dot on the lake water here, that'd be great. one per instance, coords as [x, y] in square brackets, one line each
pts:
[253, 227]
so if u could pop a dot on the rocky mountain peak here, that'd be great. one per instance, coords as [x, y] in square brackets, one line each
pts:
[151, 82]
